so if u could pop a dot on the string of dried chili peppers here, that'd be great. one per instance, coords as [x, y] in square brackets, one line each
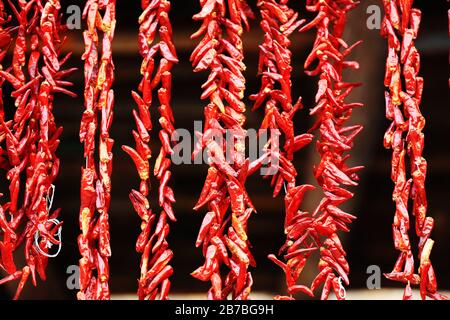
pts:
[404, 136]
[278, 21]
[334, 142]
[154, 280]
[94, 242]
[32, 138]
[5, 43]
[223, 236]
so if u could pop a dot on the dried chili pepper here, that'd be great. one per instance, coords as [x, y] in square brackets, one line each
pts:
[93, 242]
[31, 137]
[223, 236]
[405, 138]
[155, 36]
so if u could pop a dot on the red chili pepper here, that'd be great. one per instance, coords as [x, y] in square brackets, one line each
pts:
[142, 165]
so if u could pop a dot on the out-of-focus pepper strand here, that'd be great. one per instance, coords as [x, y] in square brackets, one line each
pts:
[5, 43]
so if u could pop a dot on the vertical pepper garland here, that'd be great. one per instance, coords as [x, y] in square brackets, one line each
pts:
[5, 43]
[334, 142]
[222, 235]
[278, 21]
[93, 242]
[154, 280]
[404, 136]
[32, 138]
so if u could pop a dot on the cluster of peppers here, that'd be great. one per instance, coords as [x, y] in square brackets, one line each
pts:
[155, 273]
[278, 22]
[406, 139]
[223, 235]
[94, 240]
[31, 138]
[307, 233]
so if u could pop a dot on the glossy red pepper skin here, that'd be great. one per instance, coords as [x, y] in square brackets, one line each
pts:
[223, 234]
[31, 137]
[405, 138]
[155, 271]
[94, 242]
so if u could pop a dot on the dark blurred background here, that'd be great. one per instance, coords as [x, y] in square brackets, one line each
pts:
[370, 239]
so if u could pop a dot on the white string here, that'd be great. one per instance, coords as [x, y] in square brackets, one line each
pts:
[50, 196]
[342, 292]
[49, 244]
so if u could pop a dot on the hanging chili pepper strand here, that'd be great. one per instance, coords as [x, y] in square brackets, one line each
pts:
[278, 21]
[5, 42]
[32, 154]
[223, 236]
[155, 275]
[93, 242]
[334, 142]
[404, 136]
[9, 235]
